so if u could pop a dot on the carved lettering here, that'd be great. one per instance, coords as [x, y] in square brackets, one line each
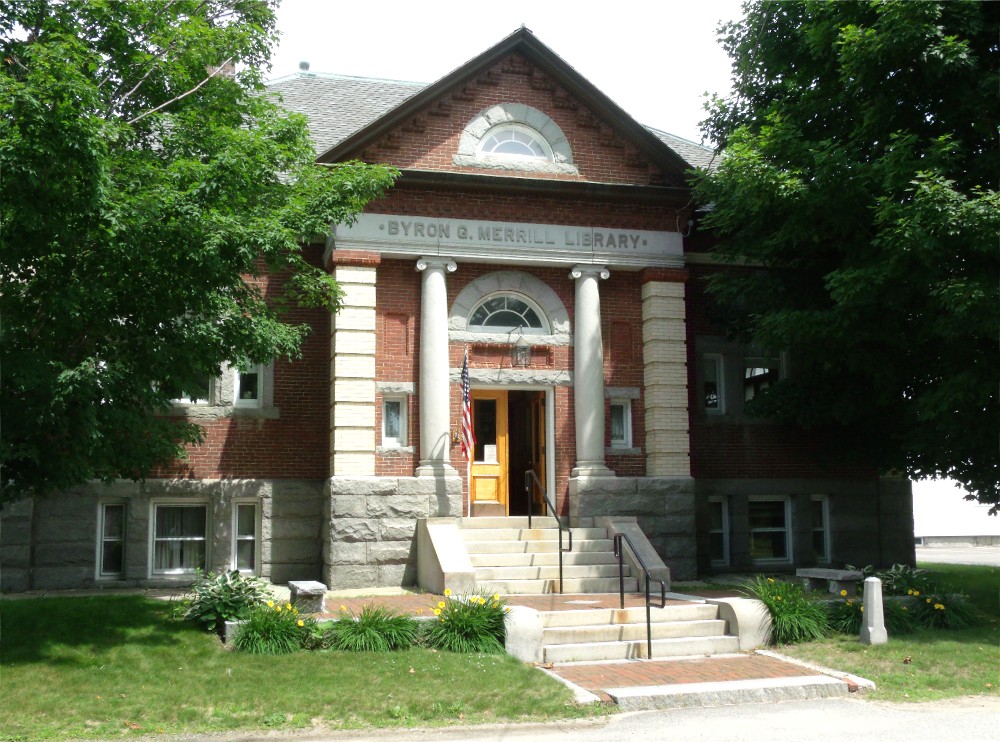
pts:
[393, 226]
[418, 229]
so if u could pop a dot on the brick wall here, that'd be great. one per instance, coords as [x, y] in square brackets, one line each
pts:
[293, 446]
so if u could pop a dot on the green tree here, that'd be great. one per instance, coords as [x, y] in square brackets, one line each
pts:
[856, 189]
[146, 181]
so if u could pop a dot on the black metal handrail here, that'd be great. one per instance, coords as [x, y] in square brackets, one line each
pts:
[529, 476]
[620, 554]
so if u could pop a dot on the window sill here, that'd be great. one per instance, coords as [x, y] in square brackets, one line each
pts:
[210, 412]
[394, 450]
[613, 451]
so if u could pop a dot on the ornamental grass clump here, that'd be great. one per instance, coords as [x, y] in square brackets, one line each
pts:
[941, 611]
[374, 629]
[794, 618]
[226, 596]
[273, 628]
[468, 623]
[846, 616]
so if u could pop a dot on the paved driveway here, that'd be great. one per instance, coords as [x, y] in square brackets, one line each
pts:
[987, 555]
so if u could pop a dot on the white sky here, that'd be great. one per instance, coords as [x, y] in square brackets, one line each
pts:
[654, 58]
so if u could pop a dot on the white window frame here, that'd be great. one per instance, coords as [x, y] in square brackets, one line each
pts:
[823, 558]
[723, 503]
[787, 530]
[257, 401]
[186, 401]
[720, 382]
[523, 129]
[180, 571]
[626, 406]
[400, 440]
[102, 539]
[507, 329]
[254, 537]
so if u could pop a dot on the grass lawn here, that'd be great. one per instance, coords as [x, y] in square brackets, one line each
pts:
[108, 666]
[926, 665]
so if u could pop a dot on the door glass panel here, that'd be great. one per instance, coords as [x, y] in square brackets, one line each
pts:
[484, 416]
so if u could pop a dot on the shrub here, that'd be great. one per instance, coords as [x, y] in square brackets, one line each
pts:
[273, 628]
[375, 629]
[941, 611]
[899, 579]
[794, 618]
[470, 623]
[226, 596]
[846, 617]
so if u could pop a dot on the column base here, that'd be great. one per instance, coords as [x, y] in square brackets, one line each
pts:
[435, 469]
[585, 470]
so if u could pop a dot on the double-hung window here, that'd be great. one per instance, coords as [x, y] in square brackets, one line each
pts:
[718, 530]
[770, 533]
[820, 515]
[246, 537]
[713, 397]
[179, 538]
[248, 387]
[111, 541]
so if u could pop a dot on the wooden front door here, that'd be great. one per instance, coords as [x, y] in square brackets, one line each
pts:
[489, 463]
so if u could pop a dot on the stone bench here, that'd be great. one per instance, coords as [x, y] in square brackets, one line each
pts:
[307, 596]
[814, 578]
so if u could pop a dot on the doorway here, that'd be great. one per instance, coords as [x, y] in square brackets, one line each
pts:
[510, 430]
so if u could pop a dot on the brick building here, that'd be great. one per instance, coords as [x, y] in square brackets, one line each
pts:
[549, 238]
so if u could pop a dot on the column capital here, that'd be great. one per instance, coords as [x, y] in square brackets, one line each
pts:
[435, 261]
[585, 269]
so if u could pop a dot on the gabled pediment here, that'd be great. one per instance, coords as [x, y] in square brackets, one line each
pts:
[522, 91]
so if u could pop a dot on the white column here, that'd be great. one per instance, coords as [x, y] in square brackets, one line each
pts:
[588, 372]
[435, 404]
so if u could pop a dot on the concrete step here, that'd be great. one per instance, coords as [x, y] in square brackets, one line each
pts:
[529, 534]
[570, 585]
[514, 546]
[632, 632]
[614, 616]
[623, 650]
[547, 572]
[515, 521]
[546, 558]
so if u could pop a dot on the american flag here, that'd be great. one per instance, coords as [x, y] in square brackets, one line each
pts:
[468, 437]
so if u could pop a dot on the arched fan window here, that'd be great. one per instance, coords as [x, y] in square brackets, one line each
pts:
[506, 313]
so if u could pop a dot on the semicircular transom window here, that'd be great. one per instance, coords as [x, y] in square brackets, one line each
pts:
[505, 313]
[513, 140]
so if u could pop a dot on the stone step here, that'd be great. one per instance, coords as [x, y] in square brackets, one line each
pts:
[624, 650]
[632, 632]
[614, 616]
[547, 572]
[535, 547]
[546, 558]
[530, 534]
[514, 521]
[570, 585]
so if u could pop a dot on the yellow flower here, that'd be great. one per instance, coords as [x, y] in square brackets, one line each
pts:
[905, 608]
[482, 601]
[843, 593]
[938, 607]
[270, 604]
[437, 611]
[770, 579]
[301, 622]
[447, 591]
[496, 596]
[850, 602]
[777, 597]
[928, 600]
[343, 608]
[441, 604]
[288, 606]
[910, 591]
[277, 608]
[916, 592]
[862, 609]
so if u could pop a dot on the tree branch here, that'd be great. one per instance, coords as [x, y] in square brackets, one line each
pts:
[176, 98]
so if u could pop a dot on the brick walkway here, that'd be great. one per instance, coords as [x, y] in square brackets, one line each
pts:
[598, 677]
[632, 673]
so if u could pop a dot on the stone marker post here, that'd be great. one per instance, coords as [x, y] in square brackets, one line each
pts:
[873, 625]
